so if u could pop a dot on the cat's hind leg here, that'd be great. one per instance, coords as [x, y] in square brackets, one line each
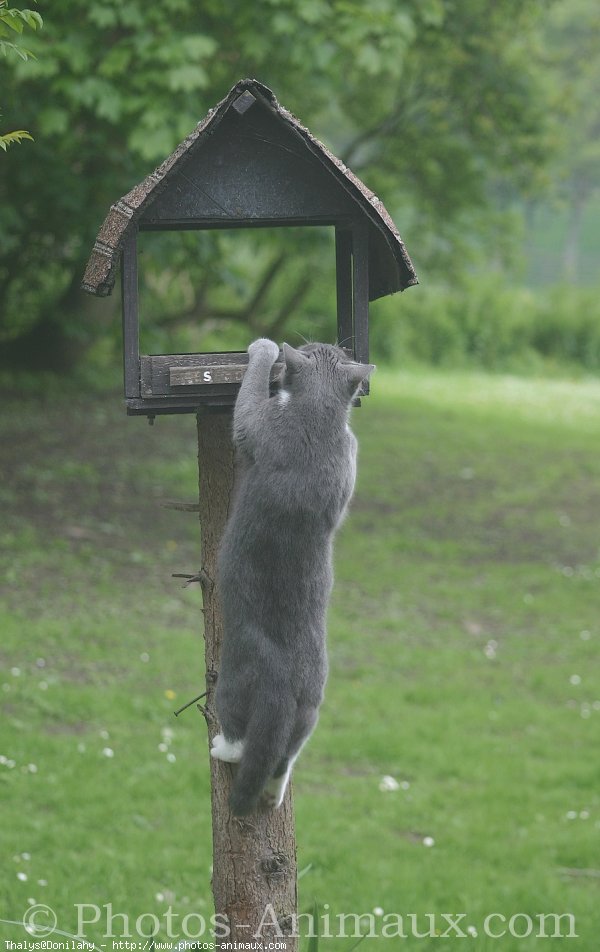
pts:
[274, 791]
[230, 751]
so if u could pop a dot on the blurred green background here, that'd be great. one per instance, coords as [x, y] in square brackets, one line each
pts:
[476, 123]
[455, 767]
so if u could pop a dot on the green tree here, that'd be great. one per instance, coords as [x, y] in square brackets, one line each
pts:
[13, 21]
[571, 55]
[428, 100]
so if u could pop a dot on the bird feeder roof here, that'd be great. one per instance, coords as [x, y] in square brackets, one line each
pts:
[289, 161]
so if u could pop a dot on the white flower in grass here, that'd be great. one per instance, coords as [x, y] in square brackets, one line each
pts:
[471, 930]
[584, 815]
[171, 758]
[575, 679]
[163, 748]
[42, 882]
[167, 734]
[104, 734]
[145, 657]
[404, 785]
[160, 897]
[41, 662]
[428, 841]
[108, 752]
[32, 768]
[43, 685]
[388, 783]
[377, 911]
[585, 635]
[571, 814]
[26, 856]
[22, 876]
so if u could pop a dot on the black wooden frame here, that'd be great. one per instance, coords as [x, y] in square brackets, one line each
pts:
[352, 293]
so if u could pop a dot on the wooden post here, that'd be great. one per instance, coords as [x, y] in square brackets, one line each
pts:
[254, 858]
[343, 272]
[360, 283]
[131, 320]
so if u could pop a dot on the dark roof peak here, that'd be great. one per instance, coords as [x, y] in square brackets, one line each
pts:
[390, 268]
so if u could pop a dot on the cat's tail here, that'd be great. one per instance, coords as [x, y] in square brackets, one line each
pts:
[265, 745]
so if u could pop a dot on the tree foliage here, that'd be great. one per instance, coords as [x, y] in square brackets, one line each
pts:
[571, 58]
[14, 21]
[430, 101]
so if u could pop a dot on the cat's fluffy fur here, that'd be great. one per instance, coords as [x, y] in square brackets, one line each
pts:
[296, 464]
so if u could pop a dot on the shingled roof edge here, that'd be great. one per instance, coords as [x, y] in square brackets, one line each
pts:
[100, 274]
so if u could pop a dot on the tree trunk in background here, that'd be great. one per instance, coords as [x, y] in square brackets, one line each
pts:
[44, 347]
[572, 241]
[62, 332]
[254, 858]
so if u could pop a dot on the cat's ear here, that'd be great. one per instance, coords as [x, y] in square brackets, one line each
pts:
[295, 360]
[356, 373]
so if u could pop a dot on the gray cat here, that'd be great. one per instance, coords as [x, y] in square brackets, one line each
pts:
[296, 459]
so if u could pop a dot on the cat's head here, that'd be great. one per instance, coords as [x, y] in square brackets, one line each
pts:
[323, 368]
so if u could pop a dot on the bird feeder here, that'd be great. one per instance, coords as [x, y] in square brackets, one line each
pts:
[248, 164]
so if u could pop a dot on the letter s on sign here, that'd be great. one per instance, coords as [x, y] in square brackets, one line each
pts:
[207, 376]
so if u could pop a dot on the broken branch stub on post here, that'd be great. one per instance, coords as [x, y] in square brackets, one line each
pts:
[254, 858]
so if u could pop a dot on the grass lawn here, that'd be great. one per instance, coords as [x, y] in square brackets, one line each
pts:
[464, 635]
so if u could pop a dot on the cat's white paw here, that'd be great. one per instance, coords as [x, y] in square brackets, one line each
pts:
[264, 346]
[274, 792]
[229, 751]
[271, 801]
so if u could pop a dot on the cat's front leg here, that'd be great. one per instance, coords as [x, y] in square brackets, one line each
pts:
[263, 347]
[254, 389]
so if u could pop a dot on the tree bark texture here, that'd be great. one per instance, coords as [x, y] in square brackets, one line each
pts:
[254, 858]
